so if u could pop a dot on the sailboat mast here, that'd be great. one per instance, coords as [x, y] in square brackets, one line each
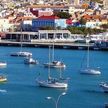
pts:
[60, 73]
[49, 77]
[87, 41]
[21, 38]
[53, 53]
[88, 55]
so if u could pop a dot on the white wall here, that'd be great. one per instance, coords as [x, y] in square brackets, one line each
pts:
[4, 25]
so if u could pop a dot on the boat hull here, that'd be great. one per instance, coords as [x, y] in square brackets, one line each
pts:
[30, 61]
[47, 84]
[54, 66]
[90, 71]
[3, 64]
[21, 54]
[104, 87]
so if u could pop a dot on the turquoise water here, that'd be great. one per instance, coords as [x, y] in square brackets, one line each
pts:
[22, 91]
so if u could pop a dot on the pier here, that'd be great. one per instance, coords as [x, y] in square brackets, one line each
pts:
[45, 44]
[62, 39]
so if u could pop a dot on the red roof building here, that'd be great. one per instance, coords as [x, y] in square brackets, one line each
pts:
[48, 17]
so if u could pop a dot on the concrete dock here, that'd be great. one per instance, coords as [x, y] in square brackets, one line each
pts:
[44, 44]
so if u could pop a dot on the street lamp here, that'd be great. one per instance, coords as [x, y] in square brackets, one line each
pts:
[56, 101]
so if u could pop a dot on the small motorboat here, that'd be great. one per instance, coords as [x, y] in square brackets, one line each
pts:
[3, 78]
[104, 86]
[3, 64]
[21, 54]
[55, 64]
[30, 60]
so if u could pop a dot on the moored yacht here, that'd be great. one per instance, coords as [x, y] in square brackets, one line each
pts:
[55, 64]
[21, 54]
[52, 83]
[88, 69]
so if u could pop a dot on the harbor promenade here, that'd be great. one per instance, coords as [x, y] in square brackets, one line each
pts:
[45, 44]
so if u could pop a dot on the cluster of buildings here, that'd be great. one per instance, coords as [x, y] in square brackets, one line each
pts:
[33, 15]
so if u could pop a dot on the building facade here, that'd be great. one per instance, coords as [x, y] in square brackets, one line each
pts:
[105, 3]
[48, 21]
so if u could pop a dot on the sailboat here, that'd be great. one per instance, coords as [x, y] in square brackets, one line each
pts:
[51, 82]
[21, 53]
[55, 63]
[88, 69]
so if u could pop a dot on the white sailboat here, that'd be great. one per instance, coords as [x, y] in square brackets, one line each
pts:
[21, 53]
[88, 69]
[51, 82]
[55, 63]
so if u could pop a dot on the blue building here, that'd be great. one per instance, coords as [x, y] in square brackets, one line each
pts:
[48, 21]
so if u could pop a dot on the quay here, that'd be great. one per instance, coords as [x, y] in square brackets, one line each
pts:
[43, 38]
[60, 38]
[45, 44]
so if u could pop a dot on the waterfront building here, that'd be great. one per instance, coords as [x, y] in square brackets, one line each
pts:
[50, 36]
[27, 25]
[45, 35]
[48, 21]
[54, 34]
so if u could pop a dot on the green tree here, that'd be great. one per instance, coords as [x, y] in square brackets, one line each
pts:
[82, 21]
[84, 31]
[104, 26]
[63, 15]
[46, 28]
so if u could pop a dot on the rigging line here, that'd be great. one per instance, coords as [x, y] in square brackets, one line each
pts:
[83, 60]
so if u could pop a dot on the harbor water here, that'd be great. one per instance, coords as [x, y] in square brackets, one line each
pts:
[22, 91]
